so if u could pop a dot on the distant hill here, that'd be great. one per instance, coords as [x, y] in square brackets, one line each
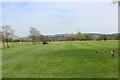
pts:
[64, 36]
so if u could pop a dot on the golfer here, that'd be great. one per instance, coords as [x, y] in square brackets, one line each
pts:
[113, 52]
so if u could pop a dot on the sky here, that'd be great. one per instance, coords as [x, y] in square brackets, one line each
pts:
[60, 17]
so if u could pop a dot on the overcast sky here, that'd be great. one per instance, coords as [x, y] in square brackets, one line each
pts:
[60, 17]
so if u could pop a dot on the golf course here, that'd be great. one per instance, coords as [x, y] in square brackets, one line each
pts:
[64, 59]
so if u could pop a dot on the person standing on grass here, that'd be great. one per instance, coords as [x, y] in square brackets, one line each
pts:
[113, 52]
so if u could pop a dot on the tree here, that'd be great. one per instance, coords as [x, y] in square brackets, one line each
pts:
[7, 34]
[79, 36]
[105, 38]
[116, 1]
[88, 37]
[0, 36]
[102, 37]
[42, 38]
[3, 40]
[46, 38]
[34, 33]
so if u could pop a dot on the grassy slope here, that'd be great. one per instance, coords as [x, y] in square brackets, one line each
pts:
[77, 59]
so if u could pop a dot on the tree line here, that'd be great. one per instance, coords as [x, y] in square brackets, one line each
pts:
[8, 36]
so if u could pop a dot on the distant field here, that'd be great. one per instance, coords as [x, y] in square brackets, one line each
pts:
[76, 60]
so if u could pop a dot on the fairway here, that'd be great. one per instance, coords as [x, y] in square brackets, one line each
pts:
[70, 59]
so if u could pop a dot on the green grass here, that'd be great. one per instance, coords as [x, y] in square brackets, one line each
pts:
[76, 60]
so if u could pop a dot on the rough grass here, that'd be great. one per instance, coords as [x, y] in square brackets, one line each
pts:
[76, 60]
